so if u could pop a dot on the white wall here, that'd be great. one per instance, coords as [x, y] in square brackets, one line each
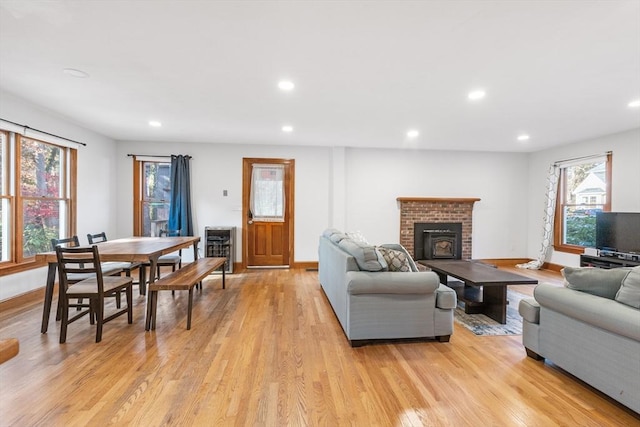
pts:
[96, 172]
[218, 167]
[625, 185]
[352, 189]
[376, 178]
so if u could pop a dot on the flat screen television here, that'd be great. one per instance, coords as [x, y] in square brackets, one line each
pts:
[618, 231]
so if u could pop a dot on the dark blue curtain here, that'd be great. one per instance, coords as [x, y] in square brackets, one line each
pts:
[180, 204]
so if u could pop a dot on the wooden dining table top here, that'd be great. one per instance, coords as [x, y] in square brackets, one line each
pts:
[133, 249]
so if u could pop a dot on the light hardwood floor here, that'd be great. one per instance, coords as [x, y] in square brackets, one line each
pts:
[268, 351]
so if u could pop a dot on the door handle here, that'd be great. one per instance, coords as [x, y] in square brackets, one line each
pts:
[250, 222]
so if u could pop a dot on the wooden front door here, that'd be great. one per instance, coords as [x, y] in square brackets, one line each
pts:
[267, 209]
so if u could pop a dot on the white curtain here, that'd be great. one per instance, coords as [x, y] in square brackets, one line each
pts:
[549, 214]
[267, 193]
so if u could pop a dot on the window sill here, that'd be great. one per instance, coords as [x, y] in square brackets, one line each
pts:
[572, 249]
[12, 268]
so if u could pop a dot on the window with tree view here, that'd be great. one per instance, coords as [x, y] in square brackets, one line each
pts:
[42, 191]
[36, 193]
[155, 197]
[584, 191]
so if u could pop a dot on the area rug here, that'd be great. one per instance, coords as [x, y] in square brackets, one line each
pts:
[480, 324]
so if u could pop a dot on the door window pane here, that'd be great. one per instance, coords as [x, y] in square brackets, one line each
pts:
[267, 193]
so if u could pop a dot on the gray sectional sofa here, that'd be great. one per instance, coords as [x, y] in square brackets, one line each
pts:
[590, 328]
[378, 293]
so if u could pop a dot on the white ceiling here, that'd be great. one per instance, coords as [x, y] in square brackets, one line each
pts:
[365, 72]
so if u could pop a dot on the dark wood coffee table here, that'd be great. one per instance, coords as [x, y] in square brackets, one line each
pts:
[484, 289]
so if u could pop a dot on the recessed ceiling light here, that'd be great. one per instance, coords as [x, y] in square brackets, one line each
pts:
[476, 94]
[287, 128]
[75, 73]
[523, 137]
[412, 134]
[154, 123]
[634, 104]
[286, 85]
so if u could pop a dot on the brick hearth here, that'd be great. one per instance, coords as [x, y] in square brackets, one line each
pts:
[430, 209]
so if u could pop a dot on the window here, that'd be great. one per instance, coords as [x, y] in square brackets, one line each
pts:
[5, 200]
[584, 189]
[267, 193]
[37, 193]
[152, 193]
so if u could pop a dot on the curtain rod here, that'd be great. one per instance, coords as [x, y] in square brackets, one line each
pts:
[606, 153]
[155, 155]
[25, 127]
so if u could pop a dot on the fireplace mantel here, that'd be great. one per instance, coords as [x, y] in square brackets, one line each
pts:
[439, 199]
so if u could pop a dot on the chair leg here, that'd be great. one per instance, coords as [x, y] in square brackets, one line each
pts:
[190, 308]
[99, 303]
[130, 304]
[64, 315]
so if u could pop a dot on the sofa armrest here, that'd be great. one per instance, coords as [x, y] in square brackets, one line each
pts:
[391, 282]
[446, 298]
[529, 309]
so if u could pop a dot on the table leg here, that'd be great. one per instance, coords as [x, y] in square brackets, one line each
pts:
[150, 313]
[153, 265]
[494, 298]
[48, 296]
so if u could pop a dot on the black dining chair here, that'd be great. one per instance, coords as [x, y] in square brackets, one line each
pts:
[75, 261]
[127, 267]
[72, 242]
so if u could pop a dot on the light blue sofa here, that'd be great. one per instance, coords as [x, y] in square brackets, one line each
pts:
[585, 329]
[373, 305]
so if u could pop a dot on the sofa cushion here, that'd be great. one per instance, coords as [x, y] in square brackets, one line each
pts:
[396, 260]
[329, 231]
[367, 257]
[596, 281]
[629, 292]
[337, 237]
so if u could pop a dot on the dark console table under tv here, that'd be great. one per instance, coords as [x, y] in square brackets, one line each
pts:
[606, 262]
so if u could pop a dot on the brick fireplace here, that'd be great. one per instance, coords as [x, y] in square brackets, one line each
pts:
[427, 210]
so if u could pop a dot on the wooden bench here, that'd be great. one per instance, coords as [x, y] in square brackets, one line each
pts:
[8, 348]
[183, 279]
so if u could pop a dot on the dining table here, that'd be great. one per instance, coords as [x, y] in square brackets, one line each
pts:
[129, 249]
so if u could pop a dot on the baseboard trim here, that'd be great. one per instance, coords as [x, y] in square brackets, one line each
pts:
[34, 296]
[505, 262]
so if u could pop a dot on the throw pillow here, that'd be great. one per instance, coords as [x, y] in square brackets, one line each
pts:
[396, 260]
[399, 247]
[367, 257]
[629, 292]
[596, 281]
[357, 236]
